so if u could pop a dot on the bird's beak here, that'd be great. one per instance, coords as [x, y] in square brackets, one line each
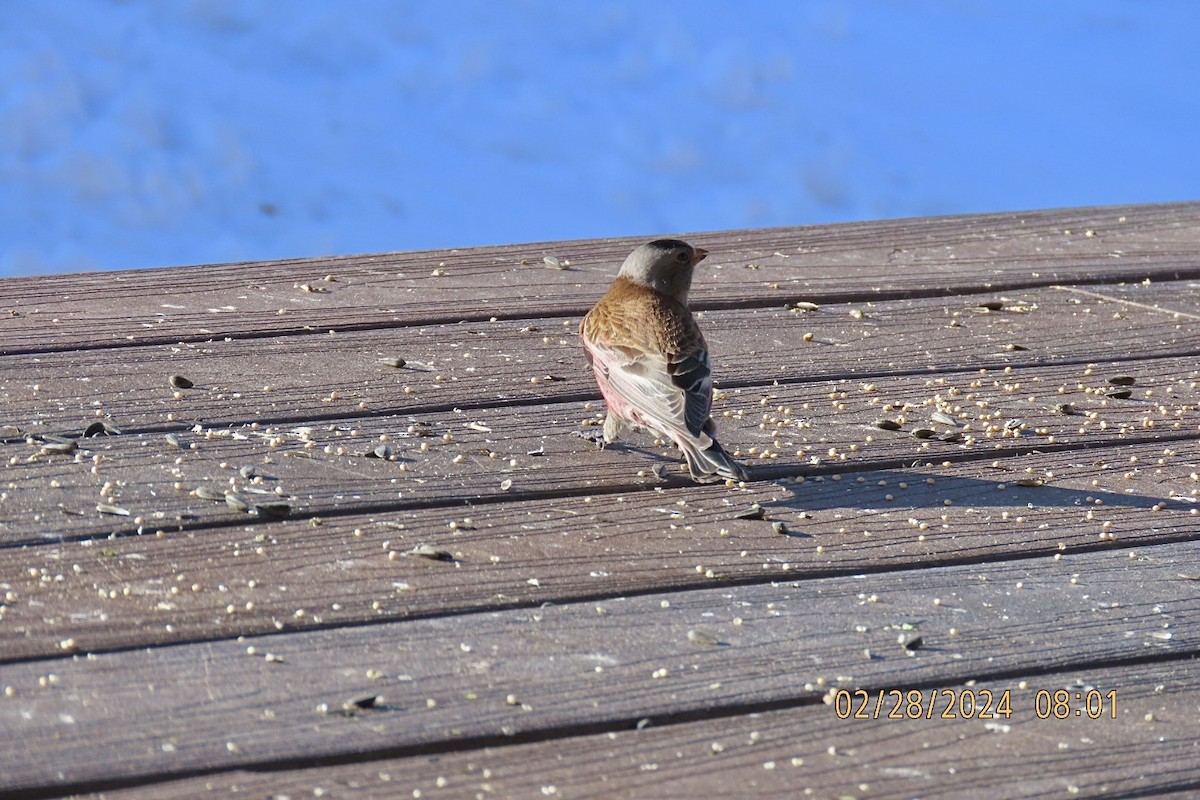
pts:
[698, 255]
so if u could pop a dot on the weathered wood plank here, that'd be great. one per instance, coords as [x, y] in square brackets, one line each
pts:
[1179, 298]
[825, 264]
[540, 360]
[128, 592]
[526, 452]
[529, 514]
[478, 679]
[808, 751]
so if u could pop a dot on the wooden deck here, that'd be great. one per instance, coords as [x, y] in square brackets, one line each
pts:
[314, 573]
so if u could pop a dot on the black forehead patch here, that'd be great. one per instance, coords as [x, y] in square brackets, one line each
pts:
[669, 244]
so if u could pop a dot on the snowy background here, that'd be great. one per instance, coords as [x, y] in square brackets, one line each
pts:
[141, 133]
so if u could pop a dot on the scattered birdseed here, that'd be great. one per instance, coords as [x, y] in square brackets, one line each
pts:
[100, 426]
[922, 433]
[356, 705]
[279, 509]
[756, 511]
[779, 528]
[180, 382]
[236, 502]
[431, 553]
[942, 418]
[1119, 394]
[1122, 380]
[205, 493]
[990, 305]
[105, 508]
[887, 425]
[56, 438]
[554, 263]
[393, 361]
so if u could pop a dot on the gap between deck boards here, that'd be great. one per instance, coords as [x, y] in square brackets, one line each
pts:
[579, 309]
[1100, 632]
[755, 363]
[424, 409]
[776, 658]
[499, 563]
[764, 473]
[663, 724]
[981, 253]
[556, 474]
[783, 753]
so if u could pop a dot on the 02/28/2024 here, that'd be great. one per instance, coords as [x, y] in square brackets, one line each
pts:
[966, 703]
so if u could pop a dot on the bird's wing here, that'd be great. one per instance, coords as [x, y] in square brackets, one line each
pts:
[670, 393]
[693, 374]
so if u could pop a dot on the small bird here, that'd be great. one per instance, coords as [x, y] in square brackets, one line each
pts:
[650, 359]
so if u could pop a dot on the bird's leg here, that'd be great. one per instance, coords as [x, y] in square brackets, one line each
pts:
[612, 427]
[602, 438]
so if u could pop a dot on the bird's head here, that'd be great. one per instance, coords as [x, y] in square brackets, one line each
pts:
[664, 265]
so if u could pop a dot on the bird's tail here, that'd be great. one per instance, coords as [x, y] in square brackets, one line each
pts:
[707, 461]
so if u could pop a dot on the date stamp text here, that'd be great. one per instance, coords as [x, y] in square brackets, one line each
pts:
[966, 703]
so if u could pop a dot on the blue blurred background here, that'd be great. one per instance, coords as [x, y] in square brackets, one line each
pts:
[193, 131]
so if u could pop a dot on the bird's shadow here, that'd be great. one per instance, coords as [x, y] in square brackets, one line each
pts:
[911, 487]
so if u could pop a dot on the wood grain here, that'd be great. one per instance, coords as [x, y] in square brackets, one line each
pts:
[217, 582]
[460, 458]
[527, 361]
[478, 679]
[509, 606]
[787, 753]
[856, 261]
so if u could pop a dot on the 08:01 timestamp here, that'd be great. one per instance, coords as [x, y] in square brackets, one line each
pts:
[970, 704]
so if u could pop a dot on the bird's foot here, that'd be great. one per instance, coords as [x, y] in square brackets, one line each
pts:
[594, 437]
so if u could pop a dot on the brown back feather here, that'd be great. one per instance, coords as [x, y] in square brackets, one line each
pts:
[639, 317]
